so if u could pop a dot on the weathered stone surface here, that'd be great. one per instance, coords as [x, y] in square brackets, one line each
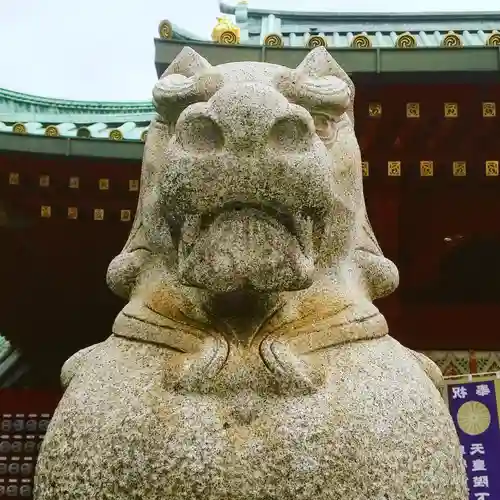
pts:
[250, 362]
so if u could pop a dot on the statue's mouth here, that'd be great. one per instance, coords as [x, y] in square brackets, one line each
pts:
[272, 212]
[246, 244]
[302, 226]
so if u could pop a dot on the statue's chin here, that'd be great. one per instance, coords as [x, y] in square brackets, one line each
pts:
[244, 250]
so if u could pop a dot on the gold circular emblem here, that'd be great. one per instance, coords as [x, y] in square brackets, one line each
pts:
[116, 135]
[406, 41]
[494, 40]
[228, 38]
[51, 131]
[361, 42]
[473, 418]
[317, 41]
[273, 40]
[452, 40]
[165, 30]
[19, 128]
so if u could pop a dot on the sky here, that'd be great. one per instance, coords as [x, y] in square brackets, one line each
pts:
[103, 49]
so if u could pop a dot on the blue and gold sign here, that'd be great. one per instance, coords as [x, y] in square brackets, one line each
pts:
[474, 407]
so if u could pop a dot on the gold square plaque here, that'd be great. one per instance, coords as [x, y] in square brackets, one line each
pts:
[394, 168]
[72, 213]
[451, 109]
[426, 168]
[459, 168]
[45, 211]
[44, 181]
[489, 110]
[492, 168]
[412, 110]
[98, 214]
[375, 109]
[125, 215]
[14, 178]
[365, 168]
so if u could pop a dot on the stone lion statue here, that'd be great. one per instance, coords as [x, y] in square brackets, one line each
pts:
[250, 362]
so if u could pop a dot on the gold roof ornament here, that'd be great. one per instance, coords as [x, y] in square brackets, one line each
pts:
[494, 39]
[452, 40]
[226, 32]
[273, 40]
[19, 128]
[116, 135]
[316, 41]
[361, 41]
[52, 131]
[406, 41]
[165, 30]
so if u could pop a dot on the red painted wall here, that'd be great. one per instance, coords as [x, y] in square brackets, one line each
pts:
[412, 215]
[53, 295]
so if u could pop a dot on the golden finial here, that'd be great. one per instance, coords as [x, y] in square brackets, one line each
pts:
[226, 32]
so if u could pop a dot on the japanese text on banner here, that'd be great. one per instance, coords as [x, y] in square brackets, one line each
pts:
[474, 408]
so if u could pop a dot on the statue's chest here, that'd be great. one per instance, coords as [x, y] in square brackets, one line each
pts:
[245, 444]
[243, 403]
[241, 446]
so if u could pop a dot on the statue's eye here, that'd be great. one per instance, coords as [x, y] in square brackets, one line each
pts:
[290, 133]
[326, 126]
[200, 134]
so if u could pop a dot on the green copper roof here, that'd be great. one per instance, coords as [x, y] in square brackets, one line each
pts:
[28, 114]
[128, 131]
[339, 29]
[181, 34]
[4, 346]
[18, 107]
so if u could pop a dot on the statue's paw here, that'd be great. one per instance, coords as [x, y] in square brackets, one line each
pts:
[430, 368]
[293, 374]
[192, 371]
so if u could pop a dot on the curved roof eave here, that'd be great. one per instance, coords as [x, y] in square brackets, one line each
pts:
[20, 107]
[185, 35]
[376, 17]
[66, 105]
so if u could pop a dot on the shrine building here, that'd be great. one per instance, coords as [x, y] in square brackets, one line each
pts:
[427, 90]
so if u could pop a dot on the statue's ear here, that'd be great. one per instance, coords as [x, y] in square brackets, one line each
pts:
[187, 63]
[190, 78]
[319, 63]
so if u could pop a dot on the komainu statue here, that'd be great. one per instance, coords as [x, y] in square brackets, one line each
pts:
[250, 362]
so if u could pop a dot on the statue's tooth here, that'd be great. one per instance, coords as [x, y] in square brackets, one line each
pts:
[190, 231]
[304, 232]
